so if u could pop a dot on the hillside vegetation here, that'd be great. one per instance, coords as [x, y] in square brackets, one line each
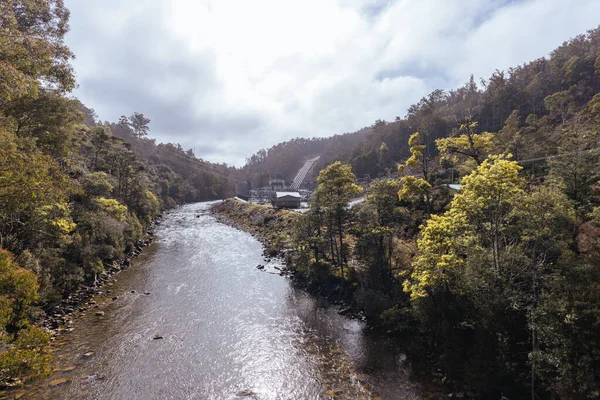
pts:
[529, 106]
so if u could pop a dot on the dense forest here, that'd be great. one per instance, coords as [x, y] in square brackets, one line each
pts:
[494, 284]
[75, 194]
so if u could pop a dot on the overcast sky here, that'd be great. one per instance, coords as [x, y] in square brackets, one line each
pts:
[228, 77]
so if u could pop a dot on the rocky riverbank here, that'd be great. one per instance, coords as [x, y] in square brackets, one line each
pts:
[60, 318]
[268, 225]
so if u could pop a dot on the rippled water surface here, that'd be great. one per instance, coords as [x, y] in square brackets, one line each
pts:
[229, 331]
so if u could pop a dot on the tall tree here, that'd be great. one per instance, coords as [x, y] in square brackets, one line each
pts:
[336, 187]
[139, 124]
[421, 161]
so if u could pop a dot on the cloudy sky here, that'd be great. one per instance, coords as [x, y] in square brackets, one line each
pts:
[228, 77]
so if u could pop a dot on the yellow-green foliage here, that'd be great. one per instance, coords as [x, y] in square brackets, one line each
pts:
[443, 243]
[466, 148]
[27, 356]
[112, 207]
[28, 178]
[19, 287]
[412, 186]
[416, 149]
[58, 216]
[488, 194]
[153, 201]
[336, 185]
[33, 48]
[478, 212]
[25, 350]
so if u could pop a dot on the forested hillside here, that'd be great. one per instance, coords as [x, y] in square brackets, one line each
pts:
[75, 194]
[493, 285]
[283, 160]
[524, 105]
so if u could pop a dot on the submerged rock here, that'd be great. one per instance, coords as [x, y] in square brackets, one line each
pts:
[59, 382]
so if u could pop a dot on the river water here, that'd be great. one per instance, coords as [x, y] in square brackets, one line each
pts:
[194, 318]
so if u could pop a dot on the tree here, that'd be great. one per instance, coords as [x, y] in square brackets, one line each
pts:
[411, 185]
[335, 189]
[25, 348]
[487, 199]
[28, 180]
[52, 120]
[465, 146]
[509, 139]
[139, 124]
[477, 218]
[577, 165]
[34, 54]
[384, 157]
[560, 105]
[544, 216]
[374, 225]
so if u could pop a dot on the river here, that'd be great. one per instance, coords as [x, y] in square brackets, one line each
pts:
[193, 318]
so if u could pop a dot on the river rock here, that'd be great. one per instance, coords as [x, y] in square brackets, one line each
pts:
[99, 313]
[333, 393]
[88, 354]
[59, 382]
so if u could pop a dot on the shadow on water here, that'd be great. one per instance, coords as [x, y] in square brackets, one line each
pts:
[194, 319]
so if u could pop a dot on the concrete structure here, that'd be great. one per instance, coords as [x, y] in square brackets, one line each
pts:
[277, 184]
[454, 186]
[301, 175]
[287, 200]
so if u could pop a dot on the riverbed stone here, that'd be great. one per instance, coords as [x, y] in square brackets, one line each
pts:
[99, 313]
[59, 382]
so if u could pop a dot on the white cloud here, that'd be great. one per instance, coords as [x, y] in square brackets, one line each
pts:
[233, 76]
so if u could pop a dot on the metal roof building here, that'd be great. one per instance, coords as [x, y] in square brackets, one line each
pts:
[287, 200]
